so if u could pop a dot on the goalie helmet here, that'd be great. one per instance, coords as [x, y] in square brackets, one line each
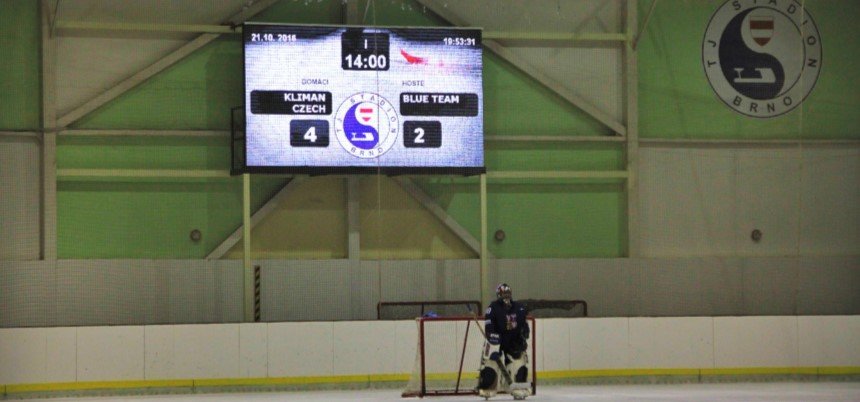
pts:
[503, 293]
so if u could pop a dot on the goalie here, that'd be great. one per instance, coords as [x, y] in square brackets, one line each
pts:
[504, 364]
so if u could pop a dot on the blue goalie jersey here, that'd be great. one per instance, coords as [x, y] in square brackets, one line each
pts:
[509, 322]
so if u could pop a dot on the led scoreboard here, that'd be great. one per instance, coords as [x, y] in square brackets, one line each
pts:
[343, 99]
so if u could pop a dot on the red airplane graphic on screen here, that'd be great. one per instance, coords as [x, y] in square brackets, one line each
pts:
[412, 59]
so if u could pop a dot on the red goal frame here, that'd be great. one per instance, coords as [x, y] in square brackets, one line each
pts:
[471, 320]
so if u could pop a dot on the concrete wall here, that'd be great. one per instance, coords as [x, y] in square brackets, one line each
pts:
[339, 351]
[145, 292]
[706, 286]
[119, 292]
[20, 189]
[706, 200]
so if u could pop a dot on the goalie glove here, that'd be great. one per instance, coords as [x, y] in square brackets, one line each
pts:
[495, 354]
[492, 351]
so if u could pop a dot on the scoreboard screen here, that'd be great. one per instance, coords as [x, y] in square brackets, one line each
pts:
[345, 99]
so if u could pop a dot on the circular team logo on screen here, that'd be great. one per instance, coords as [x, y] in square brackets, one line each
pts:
[762, 59]
[366, 125]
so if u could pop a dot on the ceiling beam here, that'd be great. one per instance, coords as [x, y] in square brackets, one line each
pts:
[631, 115]
[427, 202]
[256, 218]
[48, 201]
[644, 24]
[558, 174]
[70, 173]
[145, 133]
[594, 15]
[135, 80]
[525, 38]
[554, 38]
[85, 26]
[552, 138]
[523, 64]
[157, 67]
[26, 134]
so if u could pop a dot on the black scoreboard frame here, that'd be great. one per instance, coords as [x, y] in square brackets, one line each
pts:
[238, 133]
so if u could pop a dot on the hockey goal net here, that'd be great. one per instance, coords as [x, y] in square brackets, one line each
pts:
[448, 356]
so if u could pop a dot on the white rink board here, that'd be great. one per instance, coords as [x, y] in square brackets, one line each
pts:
[158, 349]
[109, 353]
[300, 349]
[363, 347]
[405, 351]
[612, 352]
[60, 354]
[334, 350]
[755, 342]
[671, 342]
[829, 341]
[206, 351]
[554, 338]
[253, 358]
[23, 352]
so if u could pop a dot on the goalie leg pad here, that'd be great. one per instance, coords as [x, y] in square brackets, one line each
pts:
[519, 367]
[488, 378]
[522, 374]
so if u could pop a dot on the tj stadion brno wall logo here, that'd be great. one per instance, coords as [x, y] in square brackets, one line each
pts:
[762, 57]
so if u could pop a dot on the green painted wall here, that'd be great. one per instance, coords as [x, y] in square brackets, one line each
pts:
[541, 218]
[544, 218]
[196, 93]
[152, 220]
[676, 100]
[144, 219]
[20, 44]
[148, 219]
